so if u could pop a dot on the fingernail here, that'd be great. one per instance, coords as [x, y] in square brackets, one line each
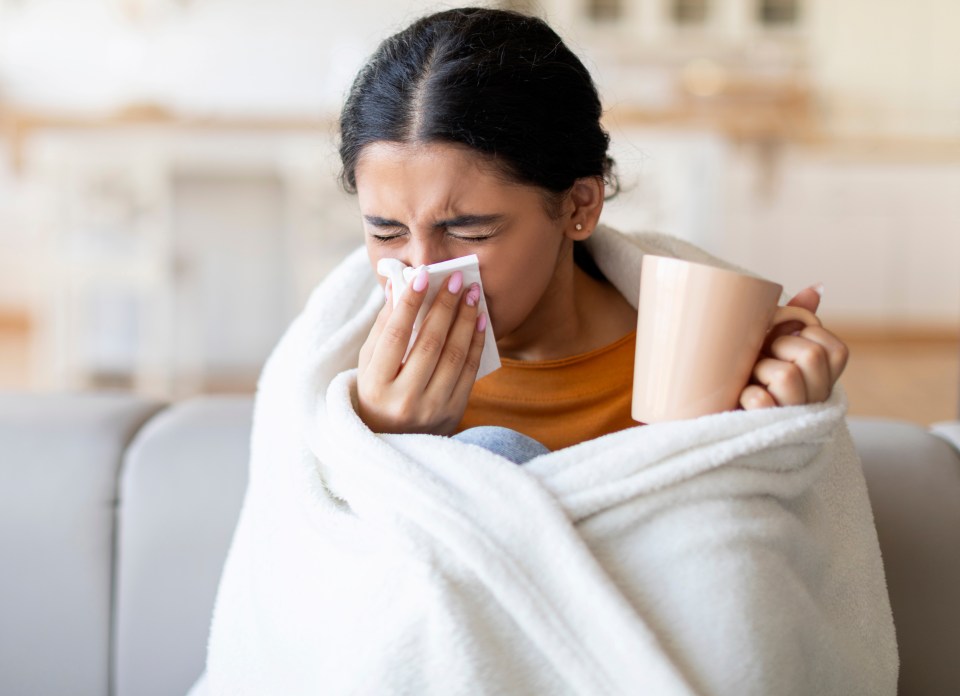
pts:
[386, 291]
[819, 288]
[482, 322]
[422, 280]
[456, 282]
[473, 295]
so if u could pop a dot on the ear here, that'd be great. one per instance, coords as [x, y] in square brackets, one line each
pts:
[583, 207]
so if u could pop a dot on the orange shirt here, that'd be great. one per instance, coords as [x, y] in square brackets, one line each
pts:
[559, 402]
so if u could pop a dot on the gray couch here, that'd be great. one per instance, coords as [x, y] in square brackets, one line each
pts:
[116, 514]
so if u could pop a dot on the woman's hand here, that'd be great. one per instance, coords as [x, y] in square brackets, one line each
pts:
[428, 393]
[797, 365]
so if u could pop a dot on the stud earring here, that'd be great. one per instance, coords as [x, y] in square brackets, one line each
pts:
[579, 227]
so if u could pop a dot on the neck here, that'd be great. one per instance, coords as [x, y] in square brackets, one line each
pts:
[577, 314]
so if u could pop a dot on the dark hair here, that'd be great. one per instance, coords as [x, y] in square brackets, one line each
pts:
[496, 81]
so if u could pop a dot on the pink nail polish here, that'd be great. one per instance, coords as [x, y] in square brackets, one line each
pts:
[482, 322]
[473, 295]
[422, 280]
[456, 282]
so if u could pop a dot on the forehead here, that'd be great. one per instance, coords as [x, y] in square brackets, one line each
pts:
[383, 154]
[429, 174]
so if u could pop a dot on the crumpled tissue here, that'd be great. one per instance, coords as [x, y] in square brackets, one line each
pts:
[401, 275]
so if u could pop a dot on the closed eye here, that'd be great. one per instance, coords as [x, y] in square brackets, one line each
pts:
[384, 238]
[474, 237]
[466, 228]
[390, 229]
[473, 228]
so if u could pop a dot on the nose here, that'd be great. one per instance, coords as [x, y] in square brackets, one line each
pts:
[424, 250]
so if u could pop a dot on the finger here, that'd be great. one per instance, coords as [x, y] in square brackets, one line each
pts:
[782, 380]
[837, 351]
[755, 397]
[468, 375]
[808, 298]
[811, 359]
[457, 348]
[433, 336]
[391, 344]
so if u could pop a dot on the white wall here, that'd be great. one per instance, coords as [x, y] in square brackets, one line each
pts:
[882, 67]
[273, 57]
[888, 67]
[881, 233]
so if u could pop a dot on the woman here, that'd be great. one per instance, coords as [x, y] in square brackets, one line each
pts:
[733, 554]
[478, 132]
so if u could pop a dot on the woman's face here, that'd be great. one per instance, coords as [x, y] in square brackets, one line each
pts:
[423, 204]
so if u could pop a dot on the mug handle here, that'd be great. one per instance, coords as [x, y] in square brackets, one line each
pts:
[785, 314]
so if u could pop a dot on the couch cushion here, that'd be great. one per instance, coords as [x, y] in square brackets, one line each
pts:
[914, 482]
[59, 458]
[181, 490]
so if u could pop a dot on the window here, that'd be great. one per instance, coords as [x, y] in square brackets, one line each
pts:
[690, 12]
[779, 13]
[604, 10]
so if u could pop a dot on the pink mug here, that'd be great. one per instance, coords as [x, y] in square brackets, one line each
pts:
[699, 333]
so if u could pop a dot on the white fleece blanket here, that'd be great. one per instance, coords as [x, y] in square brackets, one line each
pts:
[731, 554]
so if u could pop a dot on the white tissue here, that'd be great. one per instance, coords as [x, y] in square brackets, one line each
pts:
[400, 275]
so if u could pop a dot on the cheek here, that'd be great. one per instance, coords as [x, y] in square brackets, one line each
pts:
[514, 283]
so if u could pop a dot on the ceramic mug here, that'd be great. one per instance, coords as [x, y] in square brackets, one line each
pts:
[699, 333]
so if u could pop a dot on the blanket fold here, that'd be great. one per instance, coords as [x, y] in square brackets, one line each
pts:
[731, 554]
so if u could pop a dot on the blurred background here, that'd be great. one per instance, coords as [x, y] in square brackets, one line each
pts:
[168, 191]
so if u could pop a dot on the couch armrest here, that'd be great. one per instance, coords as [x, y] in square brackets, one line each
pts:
[59, 458]
[182, 486]
[913, 478]
[949, 431]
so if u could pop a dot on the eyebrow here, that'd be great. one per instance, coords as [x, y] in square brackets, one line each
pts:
[458, 221]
